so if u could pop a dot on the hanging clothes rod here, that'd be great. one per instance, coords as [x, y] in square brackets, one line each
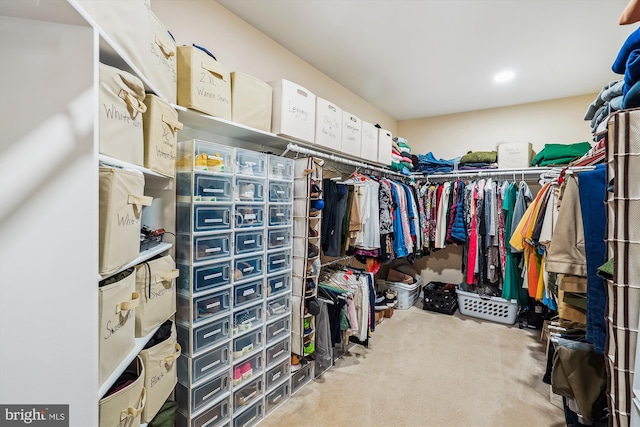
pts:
[302, 150]
[337, 260]
[516, 173]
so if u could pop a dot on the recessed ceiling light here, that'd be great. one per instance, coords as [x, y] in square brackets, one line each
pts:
[504, 76]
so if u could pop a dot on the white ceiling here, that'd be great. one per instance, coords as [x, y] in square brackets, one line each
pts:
[421, 58]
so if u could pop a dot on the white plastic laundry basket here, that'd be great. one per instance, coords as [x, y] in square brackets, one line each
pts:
[490, 308]
[407, 294]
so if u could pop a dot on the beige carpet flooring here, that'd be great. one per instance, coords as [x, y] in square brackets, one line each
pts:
[430, 369]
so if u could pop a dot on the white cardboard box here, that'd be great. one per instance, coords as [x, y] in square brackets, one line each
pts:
[385, 145]
[369, 146]
[294, 111]
[328, 124]
[251, 101]
[514, 155]
[351, 134]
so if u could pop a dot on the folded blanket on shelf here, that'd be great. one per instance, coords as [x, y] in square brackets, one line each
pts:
[427, 163]
[479, 157]
[560, 154]
[477, 165]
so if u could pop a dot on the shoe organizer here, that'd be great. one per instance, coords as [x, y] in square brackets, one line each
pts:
[277, 396]
[278, 329]
[195, 340]
[199, 309]
[250, 417]
[203, 248]
[205, 218]
[279, 168]
[280, 215]
[278, 351]
[249, 393]
[279, 238]
[206, 156]
[201, 278]
[278, 284]
[280, 192]
[249, 216]
[249, 267]
[203, 187]
[300, 378]
[251, 163]
[216, 416]
[247, 369]
[249, 190]
[278, 306]
[247, 242]
[277, 374]
[193, 370]
[200, 396]
[246, 344]
[247, 293]
[247, 319]
[278, 261]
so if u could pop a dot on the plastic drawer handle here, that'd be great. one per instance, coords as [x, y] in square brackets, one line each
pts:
[277, 354]
[213, 304]
[278, 285]
[210, 220]
[278, 331]
[249, 422]
[248, 292]
[211, 421]
[212, 333]
[208, 395]
[275, 399]
[280, 238]
[210, 365]
[218, 249]
[248, 242]
[251, 395]
[276, 376]
[280, 214]
[213, 190]
[212, 276]
[279, 261]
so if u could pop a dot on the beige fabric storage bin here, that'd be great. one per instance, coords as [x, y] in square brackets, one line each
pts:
[124, 407]
[122, 197]
[204, 84]
[351, 134]
[251, 101]
[385, 145]
[369, 145]
[155, 282]
[161, 126]
[161, 65]
[328, 124]
[294, 111]
[116, 310]
[121, 106]
[515, 155]
[160, 373]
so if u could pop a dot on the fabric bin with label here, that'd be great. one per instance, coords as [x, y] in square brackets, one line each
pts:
[280, 192]
[249, 393]
[369, 144]
[249, 216]
[203, 248]
[247, 293]
[278, 261]
[247, 344]
[385, 146]
[294, 111]
[216, 416]
[124, 406]
[251, 101]
[328, 124]
[160, 376]
[351, 134]
[300, 378]
[278, 374]
[191, 400]
[278, 284]
[279, 168]
[279, 306]
[204, 84]
[200, 338]
[249, 189]
[121, 104]
[200, 278]
[278, 329]
[250, 417]
[196, 154]
[203, 187]
[160, 128]
[117, 301]
[155, 282]
[199, 309]
[249, 267]
[121, 196]
[277, 352]
[161, 67]
[206, 365]
[280, 215]
[247, 368]
[279, 238]
[202, 218]
[247, 319]
[277, 396]
[251, 163]
[247, 242]
[515, 155]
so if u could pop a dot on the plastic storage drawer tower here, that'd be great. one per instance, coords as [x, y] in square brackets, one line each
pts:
[234, 237]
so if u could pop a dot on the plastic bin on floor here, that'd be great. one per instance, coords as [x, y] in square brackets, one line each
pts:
[407, 294]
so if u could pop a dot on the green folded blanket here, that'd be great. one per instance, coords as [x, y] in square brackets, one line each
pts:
[556, 154]
[479, 157]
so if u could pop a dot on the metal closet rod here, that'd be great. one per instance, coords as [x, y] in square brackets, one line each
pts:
[494, 172]
[302, 150]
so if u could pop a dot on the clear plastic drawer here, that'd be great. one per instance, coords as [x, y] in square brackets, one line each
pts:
[246, 344]
[278, 261]
[195, 340]
[278, 306]
[277, 396]
[247, 293]
[280, 283]
[251, 163]
[278, 329]
[250, 417]
[201, 278]
[195, 310]
[300, 378]
[216, 416]
[249, 393]
[279, 238]
[203, 155]
[277, 352]
[205, 218]
[197, 397]
[277, 374]
[203, 187]
[247, 369]
[245, 268]
[249, 216]
[280, 192]
[249, 190]
[247, 319]
[203, 248]
[280, 168]
[280, 215]
[192, 370]
[248, 242]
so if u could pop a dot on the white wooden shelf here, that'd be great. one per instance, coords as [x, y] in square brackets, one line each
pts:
[145, 255]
